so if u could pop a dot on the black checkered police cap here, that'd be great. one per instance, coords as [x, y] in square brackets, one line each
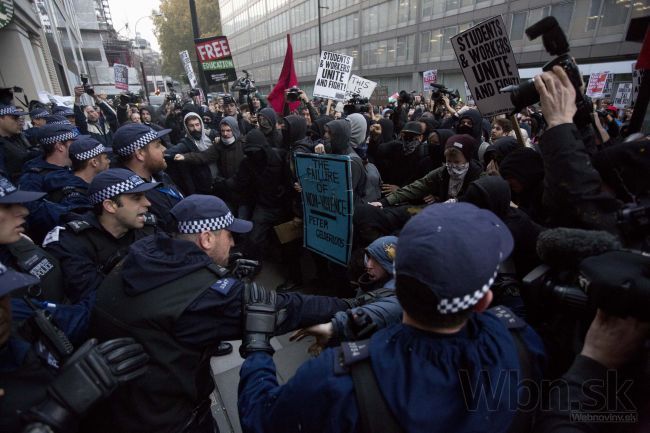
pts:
[39, 113]
[200, 213]
[10, 110]
[133, 136]
[11, 280]
[85, 147]
[53, 133]
[9, 194]
[116, 181]
[455, 250]
[56, 119]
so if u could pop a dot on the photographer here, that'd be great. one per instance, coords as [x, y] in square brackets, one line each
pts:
[573, 193]
[99, 123]
[295, 94]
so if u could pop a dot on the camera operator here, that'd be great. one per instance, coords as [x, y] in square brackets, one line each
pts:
[295, 94]
[99, 121]
[573, 194]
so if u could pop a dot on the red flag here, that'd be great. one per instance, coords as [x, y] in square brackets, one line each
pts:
[643, 61]
[287, 80]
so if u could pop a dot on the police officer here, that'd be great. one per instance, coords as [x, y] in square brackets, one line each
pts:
[37, 117]
[419, 373]
[175, 297]
[88, 158]
[140, 150]
[47, 173]
[47, 392]
[15, 149]
[89, 246]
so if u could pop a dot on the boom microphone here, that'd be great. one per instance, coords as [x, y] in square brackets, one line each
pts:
[565, 248]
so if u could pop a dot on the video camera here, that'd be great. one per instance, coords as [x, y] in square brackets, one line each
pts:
[245, 86]
[556, 44]
[356, 104]
[586, 269]
[293, 94]
[129, 98]
[193, 92]
[172, 96]
[87, 87]
[438, 90]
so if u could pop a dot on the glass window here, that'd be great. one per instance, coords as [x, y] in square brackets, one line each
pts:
[518, 25]
[563, 13]
[448, 33]
[613, 13]
[452, 4]
[467, 3]
[427, 8]
[594, 14]
[402, 12]
[537, 14]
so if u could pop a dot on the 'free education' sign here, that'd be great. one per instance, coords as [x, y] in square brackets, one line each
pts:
[333, 76]
[326, 182]
[488, 64]
[216, 59]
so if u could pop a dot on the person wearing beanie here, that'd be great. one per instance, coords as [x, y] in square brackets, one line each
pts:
[397, 159]
[523, 169]
[447, 182]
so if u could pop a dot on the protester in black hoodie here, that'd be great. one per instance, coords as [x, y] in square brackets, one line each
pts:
[266, 120]
[337, 133]
[523, 169]
[263, 181]
[435, 149]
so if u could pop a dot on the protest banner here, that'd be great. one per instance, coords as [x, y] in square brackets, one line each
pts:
[469, 100]
[596, 85]
[215, 59]
[623, 96]
[488, 64]
[361, 86]
[379, 96]
[609, 83]
[326, 182]
[121, 73]
[332, 76]
[189, 71]
[428, 78]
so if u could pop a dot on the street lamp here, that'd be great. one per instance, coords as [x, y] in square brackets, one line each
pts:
[320, 46]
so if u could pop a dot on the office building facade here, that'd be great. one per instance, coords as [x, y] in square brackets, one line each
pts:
[394, 41]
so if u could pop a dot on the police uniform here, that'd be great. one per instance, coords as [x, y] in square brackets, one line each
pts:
[40, 175]
[86, 250]
[134, 136]
[142, 297]
[465, 381]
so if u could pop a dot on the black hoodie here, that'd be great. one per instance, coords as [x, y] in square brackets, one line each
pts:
[433, 157]
[263, 175]
[493, 193]
[274, 137]
[339, 131]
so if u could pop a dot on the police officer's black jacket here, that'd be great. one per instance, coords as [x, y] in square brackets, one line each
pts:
[171, 297]
[87, 252]
[29, 258]
[14, 152]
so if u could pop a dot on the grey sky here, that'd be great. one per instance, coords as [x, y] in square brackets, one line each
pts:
[130, 11]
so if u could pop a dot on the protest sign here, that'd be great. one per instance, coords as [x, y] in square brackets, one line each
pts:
[638, 75]
[488, 64]
[609, 82]
[379, 96]
[596, 85]
[121, 76]
[361, 86]
[216, 59]
[333, 76]
[469, 100]
[189, 71]
[623, 96]
[428, 78]
[326, 182]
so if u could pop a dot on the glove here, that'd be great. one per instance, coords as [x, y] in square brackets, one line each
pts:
[245, 268]
[260, 317]
[92, 373]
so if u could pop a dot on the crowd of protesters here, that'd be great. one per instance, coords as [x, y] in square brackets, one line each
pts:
[117, 219]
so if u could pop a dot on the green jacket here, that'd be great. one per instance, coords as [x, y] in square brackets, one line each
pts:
[435, 183]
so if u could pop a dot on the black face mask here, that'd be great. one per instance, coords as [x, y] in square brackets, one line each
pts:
[465, 129]
[258, 157]
[196, 134]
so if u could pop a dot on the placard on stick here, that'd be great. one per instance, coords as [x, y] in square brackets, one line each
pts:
[333, 76]
[121, 73]
[488, 64]
[360, 85]
[326, 182]
[597, 84]
[623, 96]
[428, 78]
